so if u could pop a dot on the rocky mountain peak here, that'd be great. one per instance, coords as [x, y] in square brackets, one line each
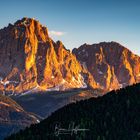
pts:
[32, 27]
[25, 21]
[111, 64]
[31, 60]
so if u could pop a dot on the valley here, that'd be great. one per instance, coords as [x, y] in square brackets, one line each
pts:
[44, 103]
[112, 116]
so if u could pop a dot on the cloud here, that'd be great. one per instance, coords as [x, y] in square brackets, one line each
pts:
[56, 33]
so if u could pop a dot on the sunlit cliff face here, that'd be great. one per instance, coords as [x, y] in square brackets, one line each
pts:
[30, 59]
[112, 65]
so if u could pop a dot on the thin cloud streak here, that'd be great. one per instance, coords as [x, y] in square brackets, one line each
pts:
[56, 33]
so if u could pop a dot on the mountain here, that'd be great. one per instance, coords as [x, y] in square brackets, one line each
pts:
[13, 117]
[30, 60]
[112, 116]
[111, 64]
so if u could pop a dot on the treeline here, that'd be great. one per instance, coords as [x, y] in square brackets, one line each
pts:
[115, 116]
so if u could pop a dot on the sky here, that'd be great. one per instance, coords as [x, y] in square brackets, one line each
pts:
[76, 22]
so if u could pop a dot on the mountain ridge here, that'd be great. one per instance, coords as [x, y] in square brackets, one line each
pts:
[111, 60]
[31, 61]
[36, 61]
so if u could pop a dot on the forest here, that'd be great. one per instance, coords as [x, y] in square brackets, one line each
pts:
[114, 116]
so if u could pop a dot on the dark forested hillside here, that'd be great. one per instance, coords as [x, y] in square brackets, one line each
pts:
[115, 116]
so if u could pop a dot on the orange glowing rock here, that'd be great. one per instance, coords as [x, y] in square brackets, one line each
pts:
[31, 60]
[111, 65]
[35, 61]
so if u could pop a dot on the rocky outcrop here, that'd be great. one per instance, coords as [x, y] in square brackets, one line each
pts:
[31, 60]
[112, 65]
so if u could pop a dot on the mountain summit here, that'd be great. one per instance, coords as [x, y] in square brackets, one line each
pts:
[112, 65]
[31, 60]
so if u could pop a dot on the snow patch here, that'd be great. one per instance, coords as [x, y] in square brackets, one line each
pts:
[38, 121]
[63, 81]
[58, 87]
[30, 91]
[40, 42]
[73, 79]
[52, 76]
[100, 72]
[83, 50]
[7, 82]
[78, 83]
[35, 118]
[84, 65]
[84, 85]
[121, 86]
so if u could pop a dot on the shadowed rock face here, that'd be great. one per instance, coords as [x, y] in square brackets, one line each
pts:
[111, 64]
[12, 113]
[31, 60]
[13, 117]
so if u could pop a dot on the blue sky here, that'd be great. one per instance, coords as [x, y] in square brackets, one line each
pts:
[76, 22]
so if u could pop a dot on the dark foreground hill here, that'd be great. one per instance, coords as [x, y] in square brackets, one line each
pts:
[114, 116]
[13, 117]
